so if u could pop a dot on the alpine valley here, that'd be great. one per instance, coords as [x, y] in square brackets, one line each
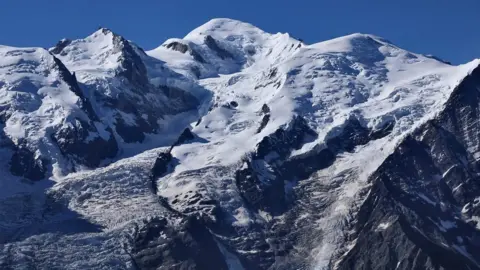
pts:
[233, 148]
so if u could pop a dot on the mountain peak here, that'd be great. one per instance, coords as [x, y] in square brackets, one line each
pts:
[104, 30]
[99, 51]
[223, 28]
[351, 42]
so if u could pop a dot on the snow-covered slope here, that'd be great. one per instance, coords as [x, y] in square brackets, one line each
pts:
[358, 85]
[291, 155]
[134, 94]
[44, 113]
[224, 46]
[123, 102]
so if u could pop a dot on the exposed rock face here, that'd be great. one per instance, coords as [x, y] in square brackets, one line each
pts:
[263, 180]
[75, 88]
[24, 163]
[183, 48]
[266, 117]
[177, 46]
[212, 44]
[188, 245]
[126, 99]
[420, 211]
[57, 121]
[73, 141]
[186, 135]
[60, 46]
[160, 166]
[259, 181]
[179, 99]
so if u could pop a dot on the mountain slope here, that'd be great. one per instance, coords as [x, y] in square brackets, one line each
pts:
[126, 94]
[338, 107]
[46, 117]
[350, 153]
[426, 216]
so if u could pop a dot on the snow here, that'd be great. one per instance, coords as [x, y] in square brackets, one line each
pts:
[425, 198]
[97, 61]
[448, 171]
[232, 261]
[383, 226]
[114, 195]
[36, 100]
[476, 219]
[93, 56]
[357, 76]
[320, 83]
[248, 44]
[361, 76]
[447, 224]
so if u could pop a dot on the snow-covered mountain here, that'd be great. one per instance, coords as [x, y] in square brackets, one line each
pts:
[234, 148]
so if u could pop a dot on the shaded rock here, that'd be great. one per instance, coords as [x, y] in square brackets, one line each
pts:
[161, 164]
[188, 245]
[60, 46]
[133, 68]
[24, 163]
[213, 45]
[186, 135]
[264, 122]
[132, 134]
[177, 46]
[183, 48]
[233, 104]
[418, 192]
[259, 180]
[71, 80]
[265, 108]
[81, 142]
[283, 141]
[179, 99]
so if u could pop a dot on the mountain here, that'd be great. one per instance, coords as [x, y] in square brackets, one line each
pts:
[233, 148]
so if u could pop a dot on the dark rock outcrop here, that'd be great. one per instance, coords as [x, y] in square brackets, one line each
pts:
[265, 119]
[24, 163]
[160, 166]
[260, 181]
[74, 141]
[183, 48]
[419, 212]
[60, 46]
[133, 68]
[177, 46]
[264, 178]
[213, 45]
[187, 245]
[186, 135]
[263, 124]
[179, 99]
[352, 134]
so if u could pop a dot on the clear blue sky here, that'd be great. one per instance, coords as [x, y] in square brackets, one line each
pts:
[448, 29]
